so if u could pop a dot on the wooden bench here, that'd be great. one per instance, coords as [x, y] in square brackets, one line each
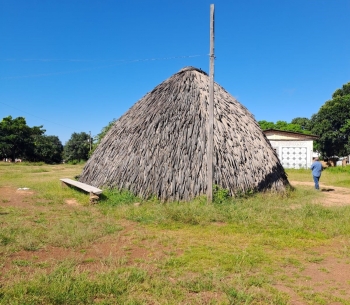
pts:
[93, 191]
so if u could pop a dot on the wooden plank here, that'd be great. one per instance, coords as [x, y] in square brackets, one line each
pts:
[83, 186]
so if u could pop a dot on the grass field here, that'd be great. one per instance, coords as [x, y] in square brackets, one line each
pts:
[257, 249]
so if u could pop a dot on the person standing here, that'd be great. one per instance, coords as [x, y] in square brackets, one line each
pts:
[316, 168]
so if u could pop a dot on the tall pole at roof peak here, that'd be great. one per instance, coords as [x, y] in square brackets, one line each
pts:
[210, 146]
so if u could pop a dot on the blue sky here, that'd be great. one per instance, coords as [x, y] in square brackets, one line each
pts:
[74, 65]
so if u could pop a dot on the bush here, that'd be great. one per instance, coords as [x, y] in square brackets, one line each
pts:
[220, 194]
[339, 169]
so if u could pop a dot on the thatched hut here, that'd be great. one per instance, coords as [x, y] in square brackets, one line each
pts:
[158, 147]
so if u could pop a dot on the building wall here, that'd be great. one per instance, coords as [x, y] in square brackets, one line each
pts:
[282, 137]
[294, 154]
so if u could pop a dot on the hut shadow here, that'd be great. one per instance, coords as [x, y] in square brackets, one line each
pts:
[276, 180]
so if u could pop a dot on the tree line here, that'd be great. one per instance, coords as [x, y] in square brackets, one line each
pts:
[17, 140]
[20, 141]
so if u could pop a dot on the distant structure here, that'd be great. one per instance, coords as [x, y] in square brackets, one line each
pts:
[158, 147]
[294, 149]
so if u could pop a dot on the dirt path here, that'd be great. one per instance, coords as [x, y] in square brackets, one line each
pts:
[332, 195]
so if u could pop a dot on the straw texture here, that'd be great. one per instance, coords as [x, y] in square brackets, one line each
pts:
[158, 147]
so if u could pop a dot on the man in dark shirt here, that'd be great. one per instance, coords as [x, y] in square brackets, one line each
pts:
[316, 168]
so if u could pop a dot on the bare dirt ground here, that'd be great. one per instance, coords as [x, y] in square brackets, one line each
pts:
[332, 195]
[329, 273]
[120, 247]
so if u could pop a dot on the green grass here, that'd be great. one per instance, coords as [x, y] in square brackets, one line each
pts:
[231, 252]
[336, 176]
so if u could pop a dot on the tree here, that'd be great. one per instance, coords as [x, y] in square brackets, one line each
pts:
[294, 126]
[48, 149]
[331, 124]
[346, 130]
[281, 125]
[77, 148]
[100, 136]
[266, 125]
[342, 92]
[17, 138]
[304, 123]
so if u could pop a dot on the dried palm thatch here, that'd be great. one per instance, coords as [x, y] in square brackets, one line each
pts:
[158, 147]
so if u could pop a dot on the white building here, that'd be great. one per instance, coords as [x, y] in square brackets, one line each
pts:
[294, 149]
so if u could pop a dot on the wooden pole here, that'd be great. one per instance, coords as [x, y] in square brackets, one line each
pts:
[211, 111]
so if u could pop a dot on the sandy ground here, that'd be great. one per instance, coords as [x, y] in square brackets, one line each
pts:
[333, 195]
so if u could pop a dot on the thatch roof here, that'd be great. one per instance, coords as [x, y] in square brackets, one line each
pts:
[158, 147]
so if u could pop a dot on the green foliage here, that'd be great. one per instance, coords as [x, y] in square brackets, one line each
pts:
[342, 92]
[48, 149]
[5, 240]
[300, 125]
[266, 125]
[100, 136]
[339, 169]
[332, 124]
[77, 148]
[75, 162]
[64, 286]
[238, 297]
[196, 213]
[114, 197]
[304, 123]
[17, 138]
[220, 194]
